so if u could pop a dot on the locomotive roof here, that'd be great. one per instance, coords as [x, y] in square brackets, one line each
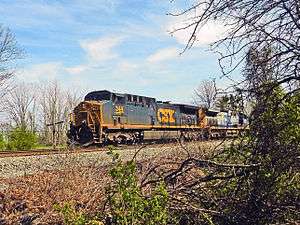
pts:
[93, 94]
[187, 106]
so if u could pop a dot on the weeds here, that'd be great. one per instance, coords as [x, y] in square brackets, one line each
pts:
[21, 139]
[2, 142]
[127, 203]
[72, 216]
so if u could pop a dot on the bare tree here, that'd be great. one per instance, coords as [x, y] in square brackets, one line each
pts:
[43, 108]
[55, 105]
[250, 24]
[20, 105]
[205, 93]
[9, 52]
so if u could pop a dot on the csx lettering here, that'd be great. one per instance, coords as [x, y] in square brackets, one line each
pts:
[166, 115]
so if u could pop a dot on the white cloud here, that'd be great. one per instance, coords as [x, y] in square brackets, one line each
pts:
[45, 71]
[101, 49]
[163, 55]
[125, 66]
[207, 33]
[76, 69]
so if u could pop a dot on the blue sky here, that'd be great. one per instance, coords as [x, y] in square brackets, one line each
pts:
[110, 44]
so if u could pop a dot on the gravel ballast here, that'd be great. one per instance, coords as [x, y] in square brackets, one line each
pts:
[11, 167]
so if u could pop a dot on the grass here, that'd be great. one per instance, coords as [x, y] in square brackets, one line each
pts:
[49, 147]
[38, 147]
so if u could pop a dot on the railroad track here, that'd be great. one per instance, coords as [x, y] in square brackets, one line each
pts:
[37, 152]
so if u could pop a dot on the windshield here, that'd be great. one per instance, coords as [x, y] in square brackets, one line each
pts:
[98, 96]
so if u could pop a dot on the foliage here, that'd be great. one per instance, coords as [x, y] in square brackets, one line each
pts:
[222, 102]
[2, 141]
[256, 63]
[267, 194]
[276, 146]
[127, 203]
[233, 102]
[21, 139]
[255, 180]
[74, 217]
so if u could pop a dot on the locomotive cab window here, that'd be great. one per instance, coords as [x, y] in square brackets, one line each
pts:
[148, 103]
[141, 101]
[118, 99]
[98, 96]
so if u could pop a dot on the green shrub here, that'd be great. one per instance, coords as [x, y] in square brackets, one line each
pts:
[268, 193]
[74, 217]
[127, 203]
[2, 142]
[21, 139]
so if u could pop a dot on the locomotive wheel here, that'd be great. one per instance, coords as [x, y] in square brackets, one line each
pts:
[85, 136]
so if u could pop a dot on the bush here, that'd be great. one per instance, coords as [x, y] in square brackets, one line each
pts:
[255, 180]
[21, 139]
[74, 217]
[2, 142]
[128, 204]
[267, 194]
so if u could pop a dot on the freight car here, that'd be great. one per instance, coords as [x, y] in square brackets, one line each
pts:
[108, 117]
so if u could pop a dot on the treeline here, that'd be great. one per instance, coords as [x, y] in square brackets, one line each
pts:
[36, 114]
